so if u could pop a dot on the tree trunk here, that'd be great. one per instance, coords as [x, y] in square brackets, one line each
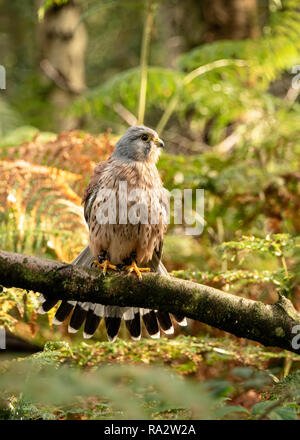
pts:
[230, 20]
[63, 43]
[191, 23]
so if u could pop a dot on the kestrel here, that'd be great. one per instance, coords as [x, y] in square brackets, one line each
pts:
[125, 206]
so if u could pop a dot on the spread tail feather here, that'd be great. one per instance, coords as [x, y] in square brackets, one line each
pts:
[91, 314]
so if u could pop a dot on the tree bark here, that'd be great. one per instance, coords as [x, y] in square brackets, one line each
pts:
[190, 23]
[230, 19]
[63, 41]
[271, 325]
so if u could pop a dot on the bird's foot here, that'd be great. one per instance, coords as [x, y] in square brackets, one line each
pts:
[137, 270]
[104, 264]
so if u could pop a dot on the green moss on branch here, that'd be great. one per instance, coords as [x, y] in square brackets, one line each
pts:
[270, 325]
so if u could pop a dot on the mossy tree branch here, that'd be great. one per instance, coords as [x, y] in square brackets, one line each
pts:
[271, 325]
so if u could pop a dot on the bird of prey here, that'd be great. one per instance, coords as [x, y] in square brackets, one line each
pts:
[130, 242]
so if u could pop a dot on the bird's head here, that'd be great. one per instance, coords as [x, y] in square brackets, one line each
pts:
[139, 143]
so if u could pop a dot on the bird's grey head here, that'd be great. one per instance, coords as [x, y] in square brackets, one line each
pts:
[140, 144]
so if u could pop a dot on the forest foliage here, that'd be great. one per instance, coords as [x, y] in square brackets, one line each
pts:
[229, 115]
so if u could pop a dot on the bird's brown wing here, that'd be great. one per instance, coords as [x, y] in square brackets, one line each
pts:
[92, 314]
[82, 312]
[90, 191]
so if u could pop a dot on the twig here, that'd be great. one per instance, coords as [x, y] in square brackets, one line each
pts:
[277, 403]
[144, 63]
[189, 78]
[54, 75]
[125, 114]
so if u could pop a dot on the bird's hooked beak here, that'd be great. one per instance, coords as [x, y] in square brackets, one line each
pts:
[159, 143]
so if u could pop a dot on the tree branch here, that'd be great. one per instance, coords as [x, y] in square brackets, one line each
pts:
[271, 325]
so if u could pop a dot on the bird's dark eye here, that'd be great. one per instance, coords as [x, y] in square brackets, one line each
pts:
[145, 137]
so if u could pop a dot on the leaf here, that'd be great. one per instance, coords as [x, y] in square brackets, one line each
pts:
[283, 413]
[227, 410]
[260, 407]
[244, 372]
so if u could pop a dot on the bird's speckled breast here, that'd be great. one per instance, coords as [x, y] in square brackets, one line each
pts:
[121, 240]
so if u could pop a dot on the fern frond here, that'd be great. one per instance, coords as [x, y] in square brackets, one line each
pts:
[232, 88]
[75, 151]
[40, 211]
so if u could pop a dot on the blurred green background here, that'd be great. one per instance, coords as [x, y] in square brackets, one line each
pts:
[223, 92]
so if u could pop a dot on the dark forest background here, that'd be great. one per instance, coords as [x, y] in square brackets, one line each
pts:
[223, 92]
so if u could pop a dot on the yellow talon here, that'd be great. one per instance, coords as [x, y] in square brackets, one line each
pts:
[134, 268]
[105, 265]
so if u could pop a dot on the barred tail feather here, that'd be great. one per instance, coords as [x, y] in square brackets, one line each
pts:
[93, 319]
[78, 316]
[132, 320]
[165, 322]
[91, 314]
[150, 322]
[181, 320]
[112, 328]
[63, 311]
[46, 305]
